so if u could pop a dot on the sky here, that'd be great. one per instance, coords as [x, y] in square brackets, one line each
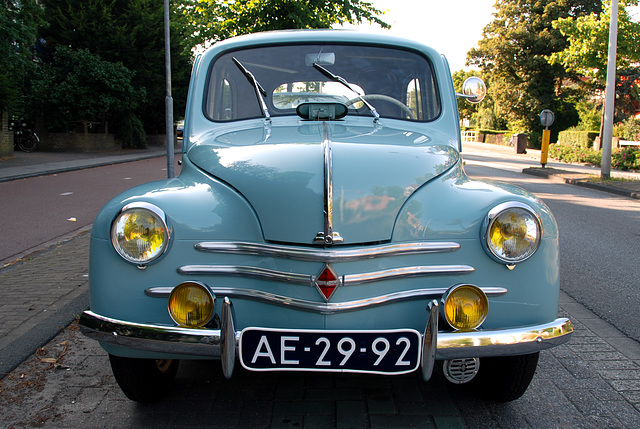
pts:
[452, 27]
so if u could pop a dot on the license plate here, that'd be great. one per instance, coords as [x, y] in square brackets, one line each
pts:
[383, 352]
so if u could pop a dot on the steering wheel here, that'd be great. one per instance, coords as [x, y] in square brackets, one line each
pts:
[383, 97]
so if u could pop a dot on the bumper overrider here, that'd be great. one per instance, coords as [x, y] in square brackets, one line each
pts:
[223, 343]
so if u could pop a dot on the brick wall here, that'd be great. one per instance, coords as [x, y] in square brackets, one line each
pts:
[6, 137]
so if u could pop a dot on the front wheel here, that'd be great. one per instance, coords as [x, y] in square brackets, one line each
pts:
[506, 378]
[143, 380]
[28, 143]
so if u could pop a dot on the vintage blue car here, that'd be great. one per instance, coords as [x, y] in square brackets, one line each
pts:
[323, 221]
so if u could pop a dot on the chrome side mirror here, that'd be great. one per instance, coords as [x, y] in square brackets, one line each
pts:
[473, 90]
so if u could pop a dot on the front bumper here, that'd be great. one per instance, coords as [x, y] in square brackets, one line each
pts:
[223, 343]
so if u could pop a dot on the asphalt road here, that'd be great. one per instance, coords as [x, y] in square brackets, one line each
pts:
[599, 236]
[39, 211]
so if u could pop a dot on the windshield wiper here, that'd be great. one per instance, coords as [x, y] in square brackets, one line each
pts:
[260, 92]
[341, 80]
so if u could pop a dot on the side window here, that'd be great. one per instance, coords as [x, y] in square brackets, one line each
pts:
[220, 101]
[226, 101]
[414, 98]
[220, 105]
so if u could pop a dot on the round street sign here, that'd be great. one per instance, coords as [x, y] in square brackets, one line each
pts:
[546, 118]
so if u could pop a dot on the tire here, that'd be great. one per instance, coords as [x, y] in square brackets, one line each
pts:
[504, 379]
[143, 380]
[28, 143]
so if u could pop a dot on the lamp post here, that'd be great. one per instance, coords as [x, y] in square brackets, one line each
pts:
[168, 99]
[607, 126]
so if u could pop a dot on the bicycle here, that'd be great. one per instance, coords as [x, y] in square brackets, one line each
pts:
[24, 138]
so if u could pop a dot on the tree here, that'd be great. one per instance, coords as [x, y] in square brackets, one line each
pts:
[586, 54]
[213, 20]
[588, 37]
[19, 22]
[78, 85]
[129, 32]
[513, 54]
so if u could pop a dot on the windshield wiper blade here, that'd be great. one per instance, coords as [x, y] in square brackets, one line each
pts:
[341, 80]
[260, 92]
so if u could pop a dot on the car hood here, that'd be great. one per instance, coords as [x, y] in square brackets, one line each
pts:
[281, 172]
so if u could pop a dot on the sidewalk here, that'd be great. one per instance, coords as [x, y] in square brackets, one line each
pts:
[24, 165]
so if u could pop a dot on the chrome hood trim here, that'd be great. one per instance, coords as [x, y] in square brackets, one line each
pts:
[351, 179]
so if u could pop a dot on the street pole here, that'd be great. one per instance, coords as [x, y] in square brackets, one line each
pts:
[544, 154]
[610, 94]
[168, 99]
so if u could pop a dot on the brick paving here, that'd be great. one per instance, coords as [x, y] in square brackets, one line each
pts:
[39, 296]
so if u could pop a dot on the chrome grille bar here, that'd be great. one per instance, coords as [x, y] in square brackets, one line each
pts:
[253, 272]
[306, 279]
[405, 272]
[312, 254]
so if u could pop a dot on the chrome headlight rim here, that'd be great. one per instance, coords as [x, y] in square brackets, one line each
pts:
[155, 211]
[493, 214]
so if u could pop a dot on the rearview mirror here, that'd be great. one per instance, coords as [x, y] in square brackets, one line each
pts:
[473, 90]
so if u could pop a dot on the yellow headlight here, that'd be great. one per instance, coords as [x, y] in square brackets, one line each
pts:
[513, 233]
[139, 233]
[465, 307]
[191, 305]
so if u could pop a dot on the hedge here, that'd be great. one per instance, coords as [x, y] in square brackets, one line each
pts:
[582, 139]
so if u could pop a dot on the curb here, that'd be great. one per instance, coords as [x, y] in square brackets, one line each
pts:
[79, 165]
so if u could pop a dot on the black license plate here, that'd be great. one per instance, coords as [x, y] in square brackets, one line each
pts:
[383, 352]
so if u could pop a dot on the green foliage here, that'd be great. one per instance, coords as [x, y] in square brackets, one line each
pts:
[19, 21]
[513, 54]
[77, 85]
[587, 54]
[588, 36]
[575, 154]
[213, 20]
[577, 138]
[627, 158]
[590, 115]
[129, 32]
[130, 131]
[628, 130]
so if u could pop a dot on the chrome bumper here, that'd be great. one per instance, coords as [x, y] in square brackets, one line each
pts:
[222, 343]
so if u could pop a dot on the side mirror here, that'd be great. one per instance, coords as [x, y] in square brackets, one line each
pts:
[473, 90]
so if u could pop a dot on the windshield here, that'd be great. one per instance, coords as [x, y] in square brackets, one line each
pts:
[399, 84]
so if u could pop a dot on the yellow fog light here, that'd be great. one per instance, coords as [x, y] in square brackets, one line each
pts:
[191, 305]
[465, 307]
